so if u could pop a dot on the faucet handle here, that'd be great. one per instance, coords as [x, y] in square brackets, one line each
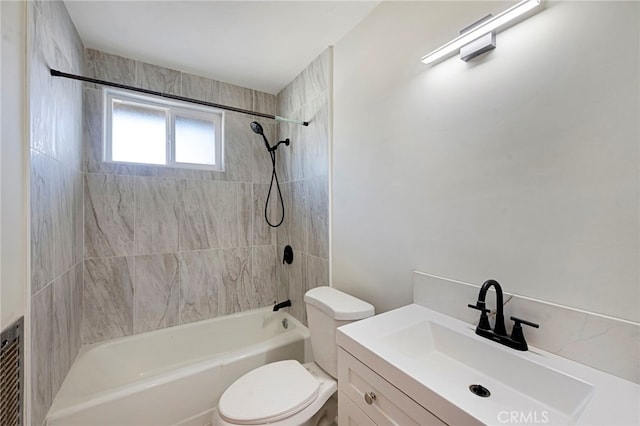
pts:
[525, 322]
[517, 335]
[483, 324]
[480, 308]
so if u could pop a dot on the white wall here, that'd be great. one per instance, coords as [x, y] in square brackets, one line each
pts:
[520, 166]
[12, 164]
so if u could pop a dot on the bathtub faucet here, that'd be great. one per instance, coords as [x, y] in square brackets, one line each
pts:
[281, 305]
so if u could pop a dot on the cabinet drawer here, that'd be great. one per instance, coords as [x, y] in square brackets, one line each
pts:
[389, 406]
[349, 414]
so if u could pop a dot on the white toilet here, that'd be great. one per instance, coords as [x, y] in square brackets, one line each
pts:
[290, 393]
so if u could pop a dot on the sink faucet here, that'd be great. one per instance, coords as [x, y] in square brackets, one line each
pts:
[498, 328]
[499, 332]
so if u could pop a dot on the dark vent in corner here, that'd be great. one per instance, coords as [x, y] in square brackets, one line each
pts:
[11, 371]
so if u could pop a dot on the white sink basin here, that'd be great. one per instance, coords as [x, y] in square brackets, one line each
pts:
[457, 361]
[435, 359]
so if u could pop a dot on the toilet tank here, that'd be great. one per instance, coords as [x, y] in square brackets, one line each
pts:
[328, 309]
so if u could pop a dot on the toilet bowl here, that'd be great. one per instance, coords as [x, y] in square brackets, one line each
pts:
[282, 393]
[288, 392]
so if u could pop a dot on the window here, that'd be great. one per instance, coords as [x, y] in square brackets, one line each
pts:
[150, 130]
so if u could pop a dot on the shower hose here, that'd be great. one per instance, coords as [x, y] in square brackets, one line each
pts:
[274, 177]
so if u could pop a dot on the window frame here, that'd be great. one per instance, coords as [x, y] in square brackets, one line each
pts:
[172, 108]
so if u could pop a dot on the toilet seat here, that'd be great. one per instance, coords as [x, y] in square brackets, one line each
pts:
[252, 399]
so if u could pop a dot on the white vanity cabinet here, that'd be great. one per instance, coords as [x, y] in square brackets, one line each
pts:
[366, 398]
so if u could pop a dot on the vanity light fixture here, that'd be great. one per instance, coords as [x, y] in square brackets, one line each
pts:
[480, 37]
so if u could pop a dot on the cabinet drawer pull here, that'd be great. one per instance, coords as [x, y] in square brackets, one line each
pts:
[369, 397]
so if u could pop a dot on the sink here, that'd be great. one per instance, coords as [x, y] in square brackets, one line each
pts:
[463, 378]
[457, 360]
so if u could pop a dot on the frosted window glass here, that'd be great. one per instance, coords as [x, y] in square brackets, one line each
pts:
[195, 141]
[139, 134]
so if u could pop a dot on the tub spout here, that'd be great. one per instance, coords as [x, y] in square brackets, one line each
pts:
[281, 305]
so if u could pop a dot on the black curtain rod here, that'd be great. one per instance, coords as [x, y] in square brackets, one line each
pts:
[57, 73]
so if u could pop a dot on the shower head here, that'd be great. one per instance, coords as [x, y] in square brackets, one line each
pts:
[257, 129]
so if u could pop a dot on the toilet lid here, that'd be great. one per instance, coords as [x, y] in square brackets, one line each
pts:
[269, 393]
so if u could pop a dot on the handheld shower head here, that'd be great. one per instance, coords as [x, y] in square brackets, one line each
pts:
[257, 129]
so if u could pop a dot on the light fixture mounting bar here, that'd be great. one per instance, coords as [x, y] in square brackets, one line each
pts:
[482, 44]
[493, 24]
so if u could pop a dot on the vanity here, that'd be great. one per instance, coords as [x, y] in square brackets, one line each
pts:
[417, 366]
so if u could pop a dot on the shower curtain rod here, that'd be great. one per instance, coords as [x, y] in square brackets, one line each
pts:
[57, 73]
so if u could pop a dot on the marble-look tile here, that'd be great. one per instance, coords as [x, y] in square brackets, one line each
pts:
[196, 87]
[41, 349]
[315, 137]
[200, 285]
[263, 292]
[245, 214]
[293, 276]
[146, 170]
[78, 218]
[291, 98]
[237, 284]
[290, 161]
[156, 294]
[312, 82]
[66, 326]
[156, 217]
[604, 343]
[109, 215]
[93, 137]
[193, 174]
[41, 93]
[61, 28]
[239, 143]
[264, 102]
[317, 273]
[235, 96]
[43, 190]
[107, 298]
[318, 225]
[294, 230]
[159, 79]
[113, 68]
[75, 147]
[209, 215]
[67, 116]
[263, 234]
[315, 78]
[63, 225]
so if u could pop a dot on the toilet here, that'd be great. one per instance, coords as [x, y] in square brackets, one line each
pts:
[288, 392]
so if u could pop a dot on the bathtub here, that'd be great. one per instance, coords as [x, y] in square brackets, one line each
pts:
[173, 376]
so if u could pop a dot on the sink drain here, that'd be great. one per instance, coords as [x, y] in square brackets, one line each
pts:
[480, 390]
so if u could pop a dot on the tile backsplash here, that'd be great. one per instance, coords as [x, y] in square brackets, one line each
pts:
[601, 342]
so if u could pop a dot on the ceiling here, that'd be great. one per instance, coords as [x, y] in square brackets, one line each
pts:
[261, 44]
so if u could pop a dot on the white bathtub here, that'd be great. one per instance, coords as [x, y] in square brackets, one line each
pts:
[173, 376]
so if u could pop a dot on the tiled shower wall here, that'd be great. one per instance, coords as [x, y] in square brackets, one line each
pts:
[304, 170]
[55, 119]
[167, 246]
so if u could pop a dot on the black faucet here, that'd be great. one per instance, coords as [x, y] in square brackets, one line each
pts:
[281, 305]
[499, 332]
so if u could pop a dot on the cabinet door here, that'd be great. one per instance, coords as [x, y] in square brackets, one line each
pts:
[378, 399]
[349, 414]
